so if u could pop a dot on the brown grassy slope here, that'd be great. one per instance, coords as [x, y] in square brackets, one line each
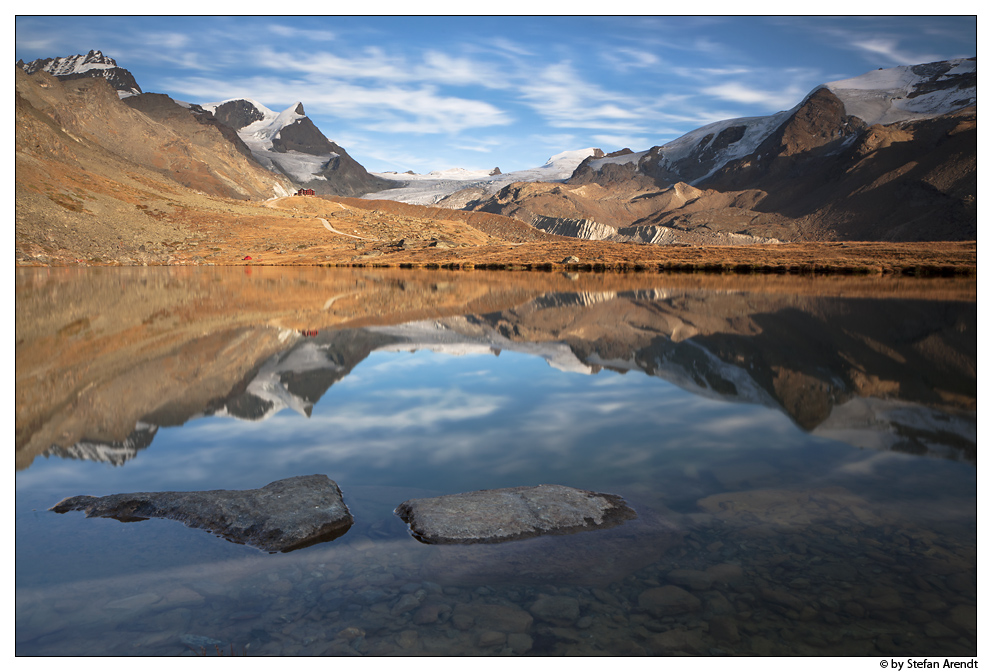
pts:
[303, 240]
[96, 180]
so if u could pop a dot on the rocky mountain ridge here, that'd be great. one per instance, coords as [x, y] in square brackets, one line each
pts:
[104, 177]
[889, 155]
[286, 143]
[92, 64]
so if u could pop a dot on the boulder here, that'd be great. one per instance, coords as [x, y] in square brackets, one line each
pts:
[507, 514]
[282, 516]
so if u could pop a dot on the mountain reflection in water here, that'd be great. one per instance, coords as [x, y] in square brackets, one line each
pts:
[893, 374]
[800, 452]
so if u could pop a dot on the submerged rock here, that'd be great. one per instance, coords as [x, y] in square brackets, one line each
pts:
[494, 516]
[282, 516]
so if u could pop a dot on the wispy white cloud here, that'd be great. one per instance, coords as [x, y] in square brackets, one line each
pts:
[506, 46]
[389, 108]
[700, 73]
[891, 50]
[167, 40]
[609, 142]
[374, 63]
[564, 98]
[303, 33]
[625, 59]
[741, 93]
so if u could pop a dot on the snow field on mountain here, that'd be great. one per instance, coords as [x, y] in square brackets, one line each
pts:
[882, 96]
[258, 135]
[434, 186]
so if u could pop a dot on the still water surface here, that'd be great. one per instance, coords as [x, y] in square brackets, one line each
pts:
[802, 466]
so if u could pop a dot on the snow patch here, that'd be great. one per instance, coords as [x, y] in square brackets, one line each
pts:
[884, 96]
[434, 186]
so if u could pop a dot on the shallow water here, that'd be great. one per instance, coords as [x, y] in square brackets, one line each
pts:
[802, 466]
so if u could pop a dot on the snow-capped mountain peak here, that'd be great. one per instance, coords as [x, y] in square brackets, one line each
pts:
[91, 64]
[288, 142]
[883, 96]
[69, 65]
[265, 123]
[260, 127]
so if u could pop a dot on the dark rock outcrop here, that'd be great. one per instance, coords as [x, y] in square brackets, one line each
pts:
[282, 516]
[303, 136]
[237, 113]
[507, 514]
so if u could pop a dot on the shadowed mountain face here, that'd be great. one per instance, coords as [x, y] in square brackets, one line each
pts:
[893, 373]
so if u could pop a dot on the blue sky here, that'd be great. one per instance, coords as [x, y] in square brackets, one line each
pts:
[429, 93]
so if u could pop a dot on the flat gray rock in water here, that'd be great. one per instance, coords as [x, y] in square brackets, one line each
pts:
[493, 516]
[282, 516]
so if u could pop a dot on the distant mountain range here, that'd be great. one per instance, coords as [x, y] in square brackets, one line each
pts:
[889, 155]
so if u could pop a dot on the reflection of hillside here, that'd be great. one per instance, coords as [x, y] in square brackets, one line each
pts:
[103, 356]
[99, 350]
[297, 378]
[808, 356]
[114, 452]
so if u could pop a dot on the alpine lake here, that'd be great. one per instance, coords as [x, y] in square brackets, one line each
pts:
[800, 453]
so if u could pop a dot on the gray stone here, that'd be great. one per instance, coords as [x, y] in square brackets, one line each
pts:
[668, 601]
[783, 598]
[718, 604]
[882, 598]
[690, 578]
[282, 516]
[407, 639]
[507, 514]
[725, 572]
[430, 612]
[519, 642]
[556, 609]
[500, 617]
[724, 629]
[339, 647]
[491, 638]
[685, 641]
[406, 603]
